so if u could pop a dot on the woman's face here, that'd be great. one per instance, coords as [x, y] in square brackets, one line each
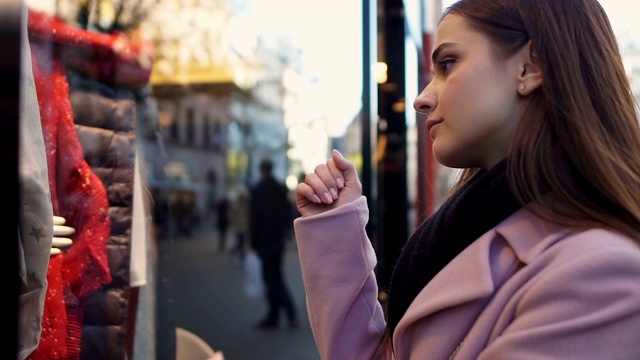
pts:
[472, 104]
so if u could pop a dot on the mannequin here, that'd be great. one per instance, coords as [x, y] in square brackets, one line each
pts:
[60, 231]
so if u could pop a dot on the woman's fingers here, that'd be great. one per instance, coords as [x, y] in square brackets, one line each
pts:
[336, 175]
[322, 183]
[306, 193]
[330, 185]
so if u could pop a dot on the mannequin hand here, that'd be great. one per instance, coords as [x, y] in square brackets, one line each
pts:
[331, 185]
[60, 230]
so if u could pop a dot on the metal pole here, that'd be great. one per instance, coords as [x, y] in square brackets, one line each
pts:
[366, 108]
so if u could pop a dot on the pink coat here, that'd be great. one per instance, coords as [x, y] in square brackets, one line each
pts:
[559, 294]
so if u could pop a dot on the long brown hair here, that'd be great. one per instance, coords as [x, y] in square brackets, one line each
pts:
[575, 158]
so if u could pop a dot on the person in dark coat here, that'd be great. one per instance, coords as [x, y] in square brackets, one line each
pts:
[222, 222]
[270, 217]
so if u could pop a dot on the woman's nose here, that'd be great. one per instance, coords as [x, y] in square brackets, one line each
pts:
[425, 102]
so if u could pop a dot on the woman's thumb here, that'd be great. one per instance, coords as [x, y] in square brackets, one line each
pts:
[352, 188]
[347, 167]
[341, 163]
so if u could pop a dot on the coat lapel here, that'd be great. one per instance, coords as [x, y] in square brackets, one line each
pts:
[448, 290]
[443, 312]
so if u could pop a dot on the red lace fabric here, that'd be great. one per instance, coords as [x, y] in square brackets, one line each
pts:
[77, 194]
[53, 342]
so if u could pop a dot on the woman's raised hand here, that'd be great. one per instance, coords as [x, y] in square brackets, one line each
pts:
[332, 184]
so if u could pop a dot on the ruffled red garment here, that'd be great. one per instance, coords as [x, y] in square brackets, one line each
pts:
[77, 194]
[116, 58]
[53, 344]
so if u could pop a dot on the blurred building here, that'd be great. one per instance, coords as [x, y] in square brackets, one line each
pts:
[220, 92]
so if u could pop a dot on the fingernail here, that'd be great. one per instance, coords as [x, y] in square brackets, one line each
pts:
[340, 183]
[338, 152]
[316, 199]
[328, 198]
[334, 193]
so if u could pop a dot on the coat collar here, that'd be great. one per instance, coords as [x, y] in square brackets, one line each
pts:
[529, 235]
[468, 281]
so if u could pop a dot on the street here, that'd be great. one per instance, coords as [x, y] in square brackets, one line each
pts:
[210, 302]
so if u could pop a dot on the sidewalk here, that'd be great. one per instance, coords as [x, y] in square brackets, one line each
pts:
[210, 302]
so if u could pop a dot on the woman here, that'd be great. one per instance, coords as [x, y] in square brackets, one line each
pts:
[536, 254]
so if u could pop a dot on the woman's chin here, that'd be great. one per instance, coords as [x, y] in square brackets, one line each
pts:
[450, 160]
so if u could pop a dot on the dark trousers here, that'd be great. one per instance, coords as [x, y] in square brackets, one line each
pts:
[277, 291]
[222, 238]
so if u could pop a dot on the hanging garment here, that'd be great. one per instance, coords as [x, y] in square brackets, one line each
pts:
[76, 194]
[105, 120]
[35, 226]
[102, 71]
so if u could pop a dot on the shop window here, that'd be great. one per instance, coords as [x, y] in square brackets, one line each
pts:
[173, 130]
[206, 131]
[190, 127]
[218, 138]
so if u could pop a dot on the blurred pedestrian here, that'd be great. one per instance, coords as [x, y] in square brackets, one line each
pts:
[222, 222]
[270, 217]
[240, 223]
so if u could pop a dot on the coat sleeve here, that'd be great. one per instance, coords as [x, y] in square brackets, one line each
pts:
[338, 261]
[587, 307]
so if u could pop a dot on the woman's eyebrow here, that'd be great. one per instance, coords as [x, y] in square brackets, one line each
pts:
[439, 49]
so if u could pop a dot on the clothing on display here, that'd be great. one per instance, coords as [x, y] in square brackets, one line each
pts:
[86, 86]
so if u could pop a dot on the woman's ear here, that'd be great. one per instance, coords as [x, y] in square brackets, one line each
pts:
[530, 77]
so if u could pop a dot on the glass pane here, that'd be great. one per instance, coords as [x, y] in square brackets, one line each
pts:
[145, 127]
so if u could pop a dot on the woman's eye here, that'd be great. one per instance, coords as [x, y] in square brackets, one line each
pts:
[445, 64]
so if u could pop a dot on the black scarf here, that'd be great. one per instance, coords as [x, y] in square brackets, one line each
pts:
[478, 206]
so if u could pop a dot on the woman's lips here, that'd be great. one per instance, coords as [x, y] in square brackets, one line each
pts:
[430, 124]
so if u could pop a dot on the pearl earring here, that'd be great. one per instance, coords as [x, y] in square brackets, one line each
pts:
[522, 86]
